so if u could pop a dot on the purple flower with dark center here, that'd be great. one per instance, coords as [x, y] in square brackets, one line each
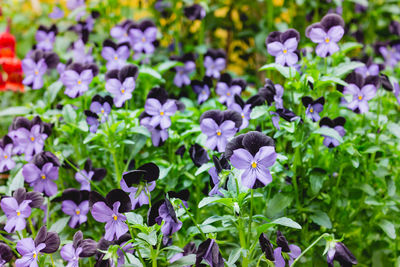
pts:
[190, 248]
[115, 54]
[117, 259]
[110, 210]
[45, 242]
[194, 12]
[143, 37]
[79, 248]
[278, 96]
[160, 113]
[219, 126]
[336, 124]
[285, 114]
[80, 54]
[326, 34]
[243, 109]
[214, 62]
[369, 69]
[34, 72]
[362, 89]
[283, 46]
[121, 83]
[89, 173]
[202, 89]
[92, 120]
[292, 251]
[198, 155]
[341, 254]
[139, 183]
[209, 252]
[75, 203]
[45, 37]
[6, 153]
[31, 141]
[6, 254]
[313, 107]
[219, 165]
[16, 213]
[120, 31]
[182, 72]
[56, 13]
[76, 79]
[41, 173]
[227, 88]
[270, 93]
[101, 106]
[254, 153]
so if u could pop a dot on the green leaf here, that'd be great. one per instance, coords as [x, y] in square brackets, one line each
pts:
[14, 111]
[53, 90]
[287, 222]
[388, 228]
[146, 71]
[204, 168]
[134, 218]
[330, 79]
[258, 111]
[163, 67]
[329, 132]
[286, 72]
[345, 68]
[188, 260]
[59, 225]
[209, 200]
[234, 256]
[150, 238]
[316, 182]
[140, 130]
[69, 114]
[16, 182]
[346, 47]
[322, 219]
[394, 129]
[134, 262]
[277, 204]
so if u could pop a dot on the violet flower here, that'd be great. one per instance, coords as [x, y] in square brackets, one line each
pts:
[219, 165]
[396, 91]
[121, 83]
[243, 109]
[269, 92]
[16, 213]
[209, 252]
[56, 13]
[34, 72]
[194, 12]
[198, 155]
[74, 4]
[219, 126]
[89, 173]
[341, 254]
[115, 54]
[227, 88]
[79, 248]
[45, 37]
[79, 53]
[30, 250]
[285, 114]
[190, 248]
[326, 34]
[292, 251]
[101, 106]
[283, 46]
[278, 97]
[120, 31]
[336, 124]
[254, 153]
[313, 107]
[77, 77]
[160, 113]
[139, 183]
[202, 89]
[214, 62]
[182, 72]
[6, 254]
[143, 37]
[6, 153]
[391, 55]
[110, 210]
[75, 203]
[369, 69]
[92, 119]
[266, 247]
[41, 173]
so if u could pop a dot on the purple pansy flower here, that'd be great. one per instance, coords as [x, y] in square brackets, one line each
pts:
[143, 37]
[227, 88]
[115, 54]
[209, 252]
[283, 46]
[76, 78]
[341, 254]
[219, 165]
[89, 173]
[71, 254]
[326, 34]
[101, 106]
[34, 72]
[79, 248]
[160, 113]
[292, 251]
[79, 53]
[283, 113]
[6, 153]
[75, 203]
[278, 97]
[194, 12]
[41, 173]
[243, 109]
[6, 254]
[110, 210]
[266, 247]
[198, 155]
[45, 37]
[190, 248]
[214, 62]
[92, 120]
[254, 153]
[219, 126]
[139, 183]
[45, 242]
[336, 124]
[121, 83]
[269, 92]
[390, 54]
[74, 4]
[182, 72]
[313, 107]
[202, 89]
[369, 69]
[120, 31]
[56, 13]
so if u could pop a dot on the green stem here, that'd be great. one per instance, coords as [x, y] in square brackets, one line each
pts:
[10, 244]
[307, 249]
[250, 217]
[52, 261]
[116, 166]
[31, 226]
[194, 221]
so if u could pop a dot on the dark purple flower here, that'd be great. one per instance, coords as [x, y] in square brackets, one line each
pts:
[56, 13]
[122, 83]
[45, 37]
[198, 155]
[326, 34]
[254, 153]
[336, 124]
[341, 254]
[266, 247]
[202, 89]
[120, 31]
[143, 36]
[76, 78]
[166, 213]
[313, 107]
[292, 251]
[194, 12]
[219, 165]
[16, 213]
[209, 252]
[110, 210]
[79, 248]
[89, 173]
[190, 248]
[182, 72]
[270, 93]
[214, 62]
[227, 88]
[6, 153]
[139, 183]
[6, 254]
[243, 109]
[283, 46]
[219, 126]
[394, 27]
[115, 54]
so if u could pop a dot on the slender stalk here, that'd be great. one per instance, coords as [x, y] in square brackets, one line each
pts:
[309, 247]
[31, 226]
[10, 243]
[194, 221]
[250, 217]
[52, 261]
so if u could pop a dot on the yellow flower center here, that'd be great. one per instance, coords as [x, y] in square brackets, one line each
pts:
[285, 51]
[327, 40]
[18, 213]
[78, 212]
[102, 110]
[125, 34]
[360, 97]
[254, 164]
[143, 39]
[32, 138]
[162, 113]
[242, 116]
[228, 94]
[115, 217]
[115, 58]
[34, 255]
[219, 133]
[36, 72]
[123, 91]
[79, 81]
[43, 176]
[311, 110]
[5, 156]
[203, 92]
